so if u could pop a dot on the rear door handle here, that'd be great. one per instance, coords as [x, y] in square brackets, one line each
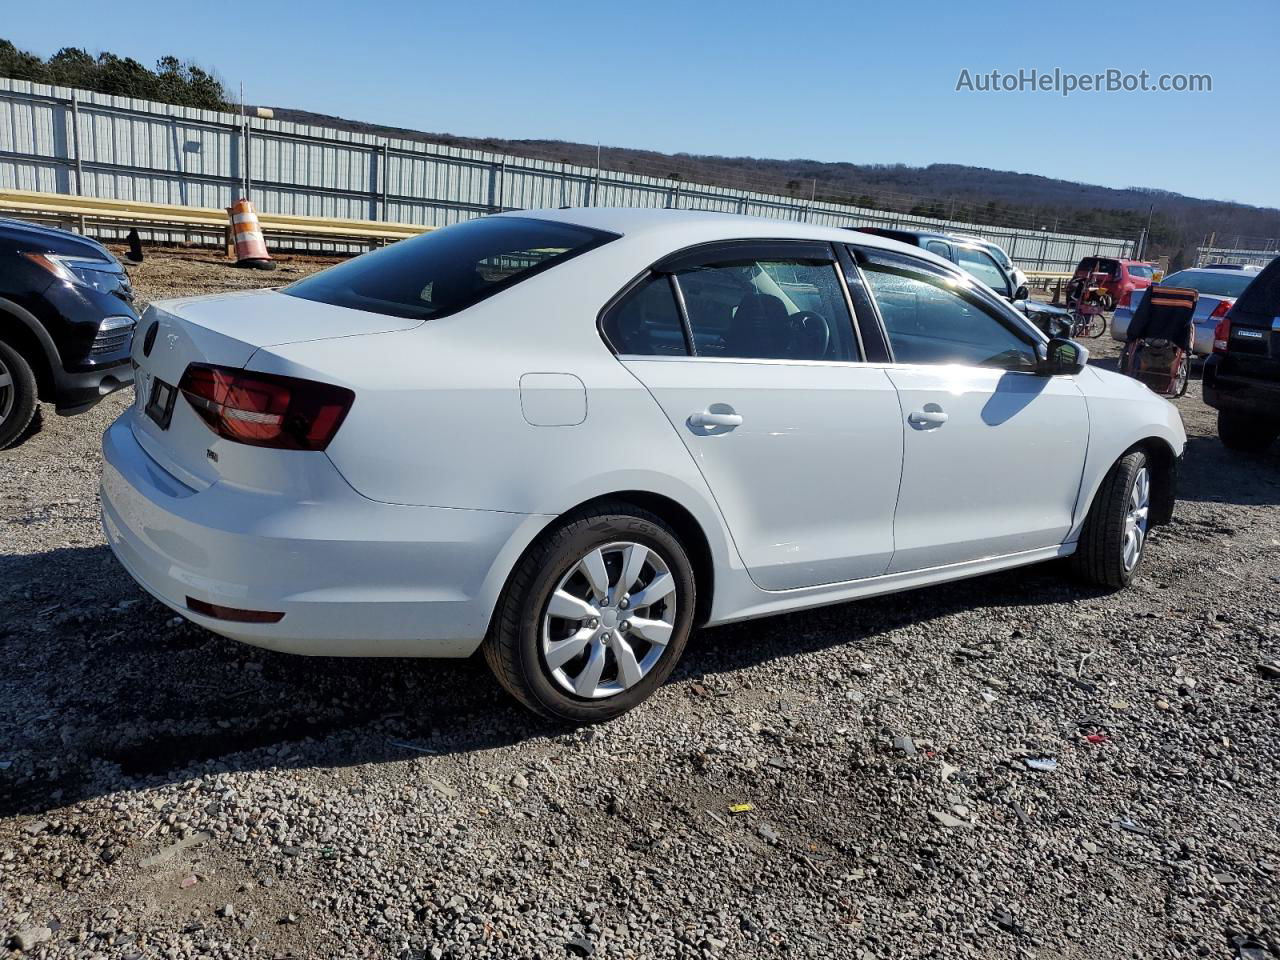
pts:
[927, 418]
[708, 419]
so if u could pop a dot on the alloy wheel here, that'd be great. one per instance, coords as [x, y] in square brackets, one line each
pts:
[609, 619]
[8, 392]
[1135, 520]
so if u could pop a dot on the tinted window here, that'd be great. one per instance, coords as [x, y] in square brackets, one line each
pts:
[446, 270]
[769, 309]
[1261, 299]
[647, 322]
[978, 263]
[930, 319]
[1213, 283]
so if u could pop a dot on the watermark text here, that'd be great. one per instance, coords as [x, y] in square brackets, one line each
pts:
[1065, 83]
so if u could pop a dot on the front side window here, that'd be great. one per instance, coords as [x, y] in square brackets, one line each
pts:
[978, 263]
[447, 270]
[768, 309]
[931, 318]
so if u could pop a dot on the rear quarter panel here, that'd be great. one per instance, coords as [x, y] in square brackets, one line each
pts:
[438, 418]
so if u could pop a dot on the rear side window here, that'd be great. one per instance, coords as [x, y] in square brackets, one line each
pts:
[646, 322]
[447, 270]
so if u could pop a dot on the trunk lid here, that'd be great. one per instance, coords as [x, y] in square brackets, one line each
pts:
[224, 330]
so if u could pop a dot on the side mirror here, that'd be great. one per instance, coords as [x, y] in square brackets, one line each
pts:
[1022, 293]
[1062, 357]
[1020, 304]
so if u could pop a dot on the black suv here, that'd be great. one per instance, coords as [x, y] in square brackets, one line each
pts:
[66, 324]
[1242, 376]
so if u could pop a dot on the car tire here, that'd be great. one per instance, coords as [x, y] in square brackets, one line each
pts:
[18, 396]
[1123, 502]
[1248, 434]
[527, 643]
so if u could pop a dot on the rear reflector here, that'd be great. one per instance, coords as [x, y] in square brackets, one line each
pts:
[266, 410]
[233, 613]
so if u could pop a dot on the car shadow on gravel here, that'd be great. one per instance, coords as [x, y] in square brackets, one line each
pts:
[104, 689]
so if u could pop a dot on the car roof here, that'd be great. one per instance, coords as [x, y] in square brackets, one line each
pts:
[683, 228]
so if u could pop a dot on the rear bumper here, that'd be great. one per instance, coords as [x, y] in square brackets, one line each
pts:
[352, 576]
[1237, 394]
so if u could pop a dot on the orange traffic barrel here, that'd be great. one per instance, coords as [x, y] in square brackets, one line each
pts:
[251, 247]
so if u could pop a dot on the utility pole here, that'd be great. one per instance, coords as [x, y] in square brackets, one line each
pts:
[1146, 233]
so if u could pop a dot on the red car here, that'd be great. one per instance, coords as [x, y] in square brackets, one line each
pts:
[1115, 277]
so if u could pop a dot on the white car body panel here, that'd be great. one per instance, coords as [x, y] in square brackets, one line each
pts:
[1000, 476]
[470, 434]
[808, 482]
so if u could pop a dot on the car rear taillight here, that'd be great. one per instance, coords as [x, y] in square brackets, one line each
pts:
[1221, 310]
[1127, 299]
[264, 409]
[1221, 330]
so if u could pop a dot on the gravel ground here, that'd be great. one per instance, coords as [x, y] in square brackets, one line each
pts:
[861, 781]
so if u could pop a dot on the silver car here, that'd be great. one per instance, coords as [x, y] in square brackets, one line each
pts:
[1218, 289]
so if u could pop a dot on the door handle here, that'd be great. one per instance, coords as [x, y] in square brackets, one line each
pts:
[927, 417]
[708, 419]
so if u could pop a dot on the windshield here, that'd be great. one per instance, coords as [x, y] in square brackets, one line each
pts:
[1141, 271]
[1213, 283]
[447, 270]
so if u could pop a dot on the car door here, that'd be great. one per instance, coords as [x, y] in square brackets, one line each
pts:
[993, 452]
[751, 351]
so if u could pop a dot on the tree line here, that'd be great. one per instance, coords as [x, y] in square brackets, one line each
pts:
[171, 81]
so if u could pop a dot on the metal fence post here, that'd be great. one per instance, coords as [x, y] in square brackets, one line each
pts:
[385, 175]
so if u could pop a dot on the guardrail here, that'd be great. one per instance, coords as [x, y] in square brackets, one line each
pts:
[1049, 281]
[85, 212]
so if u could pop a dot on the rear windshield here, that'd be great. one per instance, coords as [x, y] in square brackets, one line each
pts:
[1212, 283]
[1141, 270]
[447, 270]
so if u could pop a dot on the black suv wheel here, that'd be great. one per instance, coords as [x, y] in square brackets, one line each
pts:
[17, 395]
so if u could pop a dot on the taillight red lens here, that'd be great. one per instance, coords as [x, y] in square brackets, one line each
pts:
[1127, 299]
[264, 409]
[1221, 332]
[1221, 309]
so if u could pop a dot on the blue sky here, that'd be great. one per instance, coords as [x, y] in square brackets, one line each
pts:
[860, 82]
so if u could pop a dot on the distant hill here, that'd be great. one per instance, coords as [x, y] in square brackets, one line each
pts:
[976, 194]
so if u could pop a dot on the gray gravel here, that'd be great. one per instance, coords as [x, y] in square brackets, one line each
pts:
[852, 782]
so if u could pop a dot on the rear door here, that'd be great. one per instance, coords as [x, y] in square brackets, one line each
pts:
[752, 353]
[993, 452]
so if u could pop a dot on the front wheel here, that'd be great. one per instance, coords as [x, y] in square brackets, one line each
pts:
[595, 616]
[18, 400]
[1114, 539]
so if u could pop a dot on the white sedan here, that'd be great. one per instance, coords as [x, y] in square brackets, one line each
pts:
[570, 436]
